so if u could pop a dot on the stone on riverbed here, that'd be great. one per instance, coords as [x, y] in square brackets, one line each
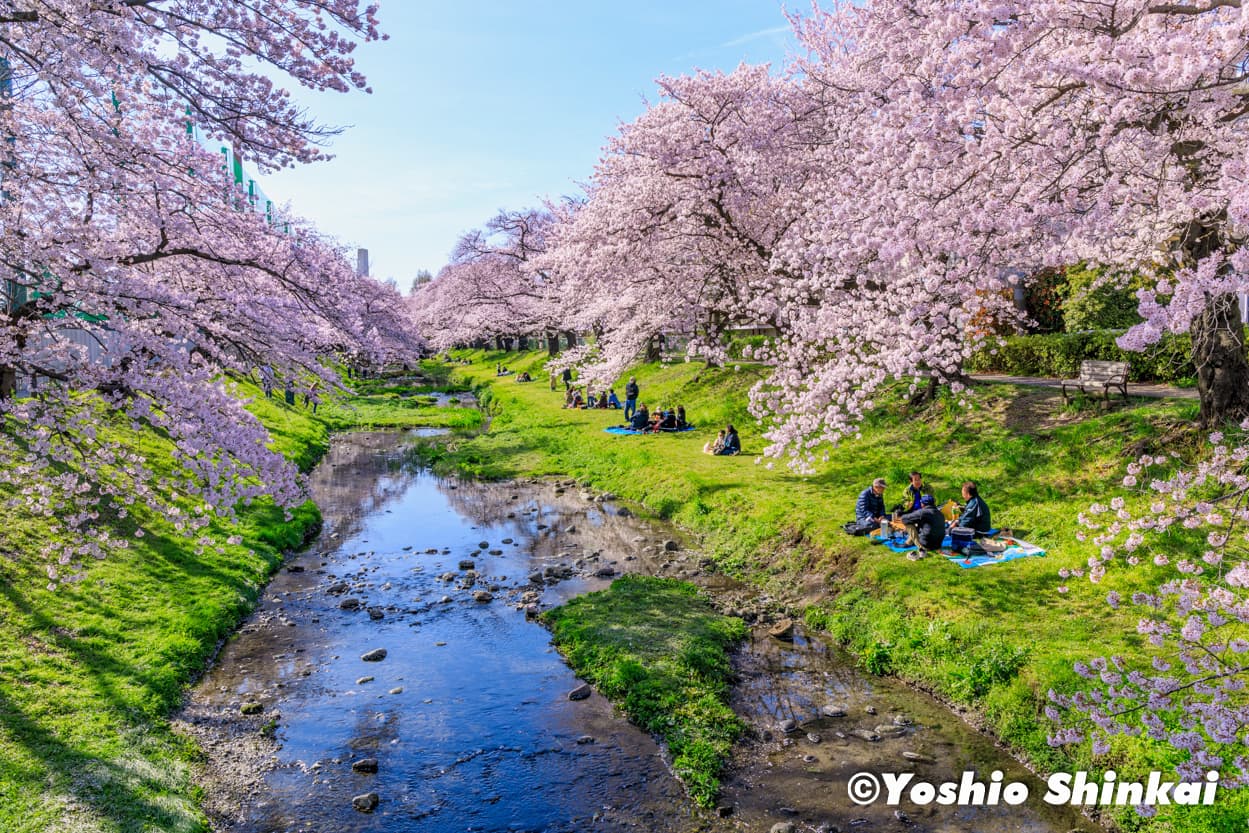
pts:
[363, 680]
[865, 734]
[366, 803]
[783, 629]
[483, 545]
[338, 587]
[483, 596]
[349, 604]
[581, 692]
[252, 708]
[375, 655]
[376, 613]
[788, 726]
[468, 564]
[364, 765]
[832, 710]
[783, 827]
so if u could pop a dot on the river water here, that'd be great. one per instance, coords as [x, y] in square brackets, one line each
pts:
[467, 717]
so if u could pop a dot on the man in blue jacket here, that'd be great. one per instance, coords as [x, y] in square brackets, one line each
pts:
[870, 507]
[975, 511]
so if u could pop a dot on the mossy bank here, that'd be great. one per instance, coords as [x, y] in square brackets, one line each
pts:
[993, 640]
[90, 672]
[658, 649]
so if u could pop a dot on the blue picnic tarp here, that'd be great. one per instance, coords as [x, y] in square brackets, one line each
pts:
[1020, 549]
[620, 430]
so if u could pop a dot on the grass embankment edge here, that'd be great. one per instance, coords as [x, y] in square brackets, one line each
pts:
[657, 649]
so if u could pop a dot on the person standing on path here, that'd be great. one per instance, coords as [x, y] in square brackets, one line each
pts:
[289, 393]
[631, 398]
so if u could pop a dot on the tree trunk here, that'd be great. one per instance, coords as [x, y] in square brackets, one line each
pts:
[498, 343]
[571, 338]
[1222, 368]
[652, 349]
[522, 342]
[552, 343]
[8, 382]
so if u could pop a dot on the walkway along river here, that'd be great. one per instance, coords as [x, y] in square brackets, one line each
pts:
[465, 724]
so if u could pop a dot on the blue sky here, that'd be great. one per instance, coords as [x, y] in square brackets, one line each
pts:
[479, 106]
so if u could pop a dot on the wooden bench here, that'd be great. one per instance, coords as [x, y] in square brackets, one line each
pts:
[1099, 375]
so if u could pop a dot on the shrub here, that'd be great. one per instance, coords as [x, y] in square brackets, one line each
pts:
[1059, 355]
[1099, 301]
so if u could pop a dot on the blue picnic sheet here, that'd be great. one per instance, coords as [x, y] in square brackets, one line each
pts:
[620, 430]
[1024, 550]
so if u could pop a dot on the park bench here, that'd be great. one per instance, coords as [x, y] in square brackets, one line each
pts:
[1099, 375]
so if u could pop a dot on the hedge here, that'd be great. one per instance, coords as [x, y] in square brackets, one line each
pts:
[1058, 355]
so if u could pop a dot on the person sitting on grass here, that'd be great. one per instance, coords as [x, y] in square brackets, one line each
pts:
[667, 421]
[732, 443]
[714, 446]
[641, 419]
[681, 423]
[870, 507]
[524, 377]
[591, 401]
[613, 401]
[975, 511]
[573, 398]
[925, 527]
[602, 402]
[914, 491]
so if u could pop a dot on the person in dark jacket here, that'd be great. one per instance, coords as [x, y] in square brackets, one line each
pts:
[975, 511]
[915, 490]
[926, 525]
[870, 507]
[631, 397]
[567, 377]
[667, 421]
[732, 442]
[681, 423]
[641, 419]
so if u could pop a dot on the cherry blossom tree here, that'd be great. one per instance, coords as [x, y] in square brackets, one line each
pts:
[1059, 132]
[683, 215]
[134, 267]
[490, 288]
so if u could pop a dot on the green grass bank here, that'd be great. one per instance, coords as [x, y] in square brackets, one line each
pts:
[993, 640]
[658, 649]
[90, 672]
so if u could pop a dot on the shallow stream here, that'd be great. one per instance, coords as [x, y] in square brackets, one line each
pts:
[467, 718]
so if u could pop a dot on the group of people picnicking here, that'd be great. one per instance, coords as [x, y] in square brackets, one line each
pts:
[574, 398]
[924, 523]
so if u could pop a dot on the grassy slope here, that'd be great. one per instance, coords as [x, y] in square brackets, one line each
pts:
[995, 638]
[89, 672]
[659, 649]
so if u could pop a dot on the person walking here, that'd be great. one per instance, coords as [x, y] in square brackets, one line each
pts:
[631, 398]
